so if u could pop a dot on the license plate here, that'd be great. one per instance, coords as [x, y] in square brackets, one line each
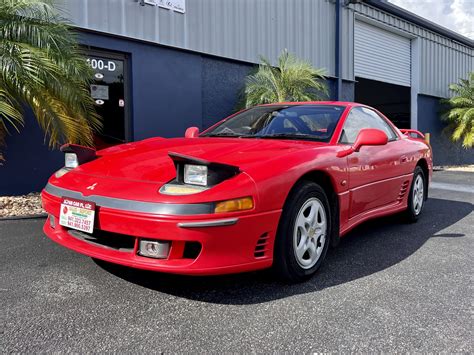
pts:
[77, 214]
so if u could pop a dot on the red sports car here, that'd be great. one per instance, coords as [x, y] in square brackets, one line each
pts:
[274, 185]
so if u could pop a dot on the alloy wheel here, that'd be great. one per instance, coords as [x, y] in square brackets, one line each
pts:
[309, 233]
[418, 194]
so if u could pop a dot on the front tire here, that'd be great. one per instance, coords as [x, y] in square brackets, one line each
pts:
[417, 196]
[304, 233]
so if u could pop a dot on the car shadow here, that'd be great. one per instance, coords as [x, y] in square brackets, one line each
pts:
[368, 249]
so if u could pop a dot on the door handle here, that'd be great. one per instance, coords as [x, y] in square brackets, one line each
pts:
[403, 159]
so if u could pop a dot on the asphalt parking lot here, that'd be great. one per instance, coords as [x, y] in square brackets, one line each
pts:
[388, 287]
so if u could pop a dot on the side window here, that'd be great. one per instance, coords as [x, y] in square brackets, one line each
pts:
[362, 117]
[354, 123]
[380, 123]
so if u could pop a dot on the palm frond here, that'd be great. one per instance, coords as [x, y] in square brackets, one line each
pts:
[10, 112]
[41, 66]
[292, 79]
[459, 113]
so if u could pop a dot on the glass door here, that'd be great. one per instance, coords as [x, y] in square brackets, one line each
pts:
[109, 90]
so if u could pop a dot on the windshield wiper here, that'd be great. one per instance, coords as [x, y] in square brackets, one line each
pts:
[222, 134]
[266, 136]
[287, 135]
[228, 134]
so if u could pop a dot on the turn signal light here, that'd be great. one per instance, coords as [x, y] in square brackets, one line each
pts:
[238, 204]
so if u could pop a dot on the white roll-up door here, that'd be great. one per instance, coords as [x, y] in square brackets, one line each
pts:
[381, 55]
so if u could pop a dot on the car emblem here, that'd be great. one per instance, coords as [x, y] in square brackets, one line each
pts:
[92, 187]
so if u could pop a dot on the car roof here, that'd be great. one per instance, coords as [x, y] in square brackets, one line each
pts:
[338, 103]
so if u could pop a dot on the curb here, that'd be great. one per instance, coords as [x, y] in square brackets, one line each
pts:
[31, 216]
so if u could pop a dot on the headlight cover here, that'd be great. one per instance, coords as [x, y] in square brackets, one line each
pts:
[195, 174]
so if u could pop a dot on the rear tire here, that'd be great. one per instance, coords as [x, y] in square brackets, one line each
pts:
[304, 233]
[417, 196]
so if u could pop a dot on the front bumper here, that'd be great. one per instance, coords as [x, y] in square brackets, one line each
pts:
[238, 243]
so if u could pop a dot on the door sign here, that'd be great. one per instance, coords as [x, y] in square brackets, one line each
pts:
[100, 92]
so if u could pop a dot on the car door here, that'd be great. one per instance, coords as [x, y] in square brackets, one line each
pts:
[375, 172]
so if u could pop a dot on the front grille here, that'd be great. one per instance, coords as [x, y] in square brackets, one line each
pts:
[116, 241]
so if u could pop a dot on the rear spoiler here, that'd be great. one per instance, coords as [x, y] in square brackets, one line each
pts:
[413, 133]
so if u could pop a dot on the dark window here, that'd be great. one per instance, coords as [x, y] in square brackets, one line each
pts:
[363, 117]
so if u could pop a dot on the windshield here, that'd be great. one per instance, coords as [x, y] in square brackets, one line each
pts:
[314, 122]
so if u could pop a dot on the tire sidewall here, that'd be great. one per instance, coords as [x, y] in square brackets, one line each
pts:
[284, 256]
[411, 209]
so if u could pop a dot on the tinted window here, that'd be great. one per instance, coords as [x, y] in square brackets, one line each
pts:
[362, 117]
[283, 121]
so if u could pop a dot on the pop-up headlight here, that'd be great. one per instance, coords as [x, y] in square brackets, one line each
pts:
[70, 160]
[195, 174]
[75, 155]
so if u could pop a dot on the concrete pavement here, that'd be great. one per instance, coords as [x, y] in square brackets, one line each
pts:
[389, 286]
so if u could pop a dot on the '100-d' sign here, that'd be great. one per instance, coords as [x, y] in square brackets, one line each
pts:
[176, 5]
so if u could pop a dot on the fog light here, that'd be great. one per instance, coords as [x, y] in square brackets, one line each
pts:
[52, 221]
[154, 249]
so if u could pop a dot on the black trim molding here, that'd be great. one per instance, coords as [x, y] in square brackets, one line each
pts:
[173, 209]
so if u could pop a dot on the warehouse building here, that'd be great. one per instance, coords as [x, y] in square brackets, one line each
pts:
[164, 65]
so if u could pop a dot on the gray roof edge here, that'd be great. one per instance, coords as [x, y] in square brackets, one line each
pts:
[418, 20]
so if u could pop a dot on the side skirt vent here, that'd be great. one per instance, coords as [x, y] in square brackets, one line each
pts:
[261, 248]
[403, 191]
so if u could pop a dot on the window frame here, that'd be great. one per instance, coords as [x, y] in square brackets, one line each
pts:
[383, 118]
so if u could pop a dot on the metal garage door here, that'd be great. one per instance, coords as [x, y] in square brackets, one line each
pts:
[381, 55]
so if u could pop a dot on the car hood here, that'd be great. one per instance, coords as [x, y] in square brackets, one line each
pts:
[149, 160]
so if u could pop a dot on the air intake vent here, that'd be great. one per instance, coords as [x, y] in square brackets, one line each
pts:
[403, 191]
[261, 249]
[192, 250]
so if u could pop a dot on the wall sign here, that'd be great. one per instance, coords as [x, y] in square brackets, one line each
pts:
[102, 64]
[100, 92]
[176, 5]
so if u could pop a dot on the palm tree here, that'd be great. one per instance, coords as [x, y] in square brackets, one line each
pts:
[41, 67]
[460, 112]
[292, 79]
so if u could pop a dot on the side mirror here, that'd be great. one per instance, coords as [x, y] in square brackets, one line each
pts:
[366, 136]
[370, 136]
[191, 132]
